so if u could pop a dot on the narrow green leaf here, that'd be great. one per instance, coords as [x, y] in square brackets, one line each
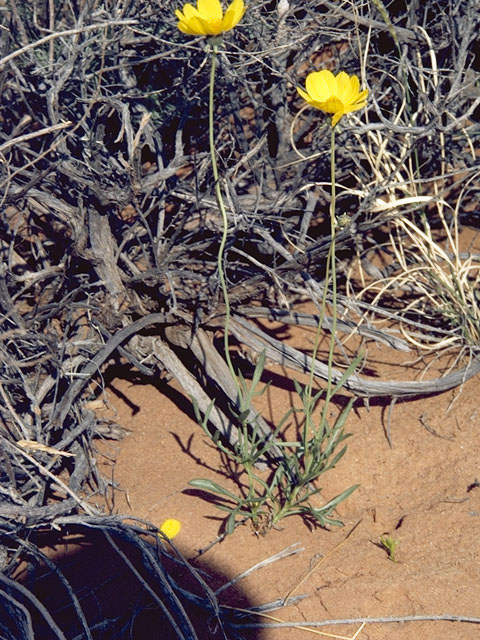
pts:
[230, 526]
[212, 487]
[342, 496]
[243, 416]
[259, 368]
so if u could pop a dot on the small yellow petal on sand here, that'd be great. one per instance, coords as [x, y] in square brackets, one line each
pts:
[170, 528]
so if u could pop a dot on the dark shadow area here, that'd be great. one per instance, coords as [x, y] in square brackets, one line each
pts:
[106, 583]
[127, 372]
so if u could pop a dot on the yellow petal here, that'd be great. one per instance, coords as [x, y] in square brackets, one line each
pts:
[189, 11]
[170, 528]
[190, 21]
[331, 81]
[344, 87]
[336, 118]
[194, 27]
[354, 85]
[362, 98]
[304, 95]
[210, 10]
[318, 85]
[352, 107]
[184, 29]
[355, 107]
[350, 95]
[233, 15]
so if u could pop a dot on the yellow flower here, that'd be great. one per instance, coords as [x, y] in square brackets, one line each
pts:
[208, 19]
[338, 94]
[170, 528]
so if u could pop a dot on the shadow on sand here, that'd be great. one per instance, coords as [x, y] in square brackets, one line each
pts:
[111, 583]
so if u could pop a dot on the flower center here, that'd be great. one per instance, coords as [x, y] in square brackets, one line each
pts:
[333, 105]
[216, 24]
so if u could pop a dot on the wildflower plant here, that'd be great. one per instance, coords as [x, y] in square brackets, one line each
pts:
[338, 96]
[290, 489]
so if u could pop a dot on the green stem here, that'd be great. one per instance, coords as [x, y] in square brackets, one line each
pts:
[332, 256]
[221, 206]
[330, 271]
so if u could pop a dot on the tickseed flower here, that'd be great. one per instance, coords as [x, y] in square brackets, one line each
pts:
[208, 18]
[338, 94]
[170, 528]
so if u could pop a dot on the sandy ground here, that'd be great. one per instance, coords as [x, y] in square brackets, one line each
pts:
[423, 490]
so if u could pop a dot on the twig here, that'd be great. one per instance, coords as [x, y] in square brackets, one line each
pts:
[321, 561]
[289, 551]
[85, 506]
[35, 134]
[62, 34]
[366, 620]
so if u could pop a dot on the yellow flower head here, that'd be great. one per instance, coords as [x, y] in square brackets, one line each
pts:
[208, 18]
[170, 528]
[338, 94]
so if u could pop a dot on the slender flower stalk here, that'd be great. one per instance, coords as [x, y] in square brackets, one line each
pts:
[208, 19]
[336, 95]
[223, 212]
[332, 256]
[330, 269]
